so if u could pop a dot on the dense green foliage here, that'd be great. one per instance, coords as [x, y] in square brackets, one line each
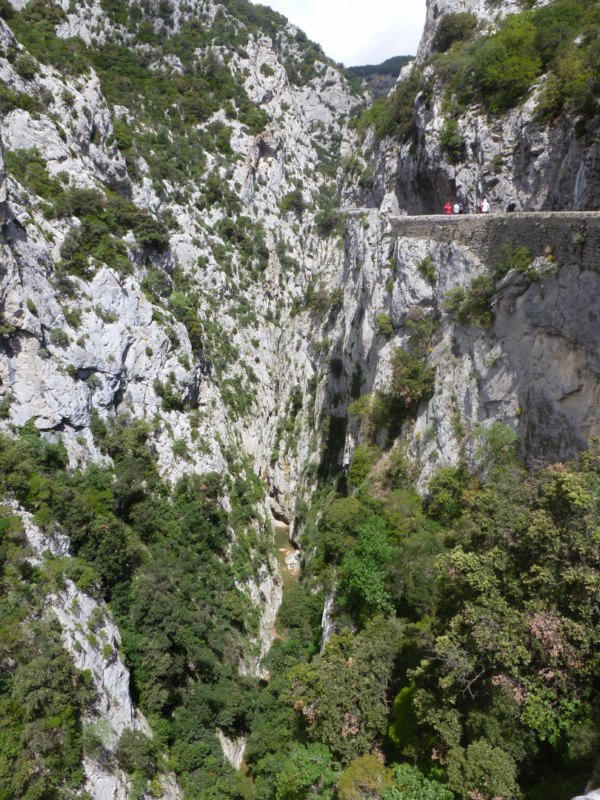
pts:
[394, 115]
[339, 694]
[410, 784]
[366, 776]
[489, 593]
[468, 638]
[454, 28]
[452, 141]
[158, 557]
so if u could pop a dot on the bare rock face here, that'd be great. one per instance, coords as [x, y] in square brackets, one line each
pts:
[233, 749]
[534, 368]
[123, 351]
[547, 335]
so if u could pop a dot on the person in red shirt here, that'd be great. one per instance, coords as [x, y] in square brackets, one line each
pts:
[448, 208]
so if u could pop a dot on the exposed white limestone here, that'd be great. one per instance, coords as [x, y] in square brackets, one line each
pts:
[233, 749]
[265, 592]
[327, 620]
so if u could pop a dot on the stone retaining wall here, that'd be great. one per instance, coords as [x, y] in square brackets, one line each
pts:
[572, 237]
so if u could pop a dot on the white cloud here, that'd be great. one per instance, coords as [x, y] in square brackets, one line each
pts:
[355, 31]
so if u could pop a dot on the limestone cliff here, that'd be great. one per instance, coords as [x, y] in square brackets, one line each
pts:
[531, 368]
[93, 640]
[511, 159]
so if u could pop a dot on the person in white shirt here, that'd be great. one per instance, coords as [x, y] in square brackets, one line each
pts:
[485, 206]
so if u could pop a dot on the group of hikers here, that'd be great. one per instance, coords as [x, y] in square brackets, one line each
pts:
[458, 208]
[483, 207]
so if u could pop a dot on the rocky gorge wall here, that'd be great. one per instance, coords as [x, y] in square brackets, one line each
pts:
[287, 348]
[534, 367]
[3, 187]
[101, 346]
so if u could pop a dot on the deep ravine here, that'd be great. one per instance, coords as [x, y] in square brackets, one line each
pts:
[299, 483]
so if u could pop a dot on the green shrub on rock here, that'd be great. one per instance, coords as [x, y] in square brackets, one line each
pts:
[452, 28]
[29, 168]
[411, 784]
[26, 66]
[384, 325]
[363, 459]
[472, 306]
[366, 776]
[452, 141]
[293, 201]
[136, 752]
[412, 379]
[427, 270]
[59, 337]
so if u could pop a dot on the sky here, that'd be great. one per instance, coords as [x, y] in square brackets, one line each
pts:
[358, 32]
